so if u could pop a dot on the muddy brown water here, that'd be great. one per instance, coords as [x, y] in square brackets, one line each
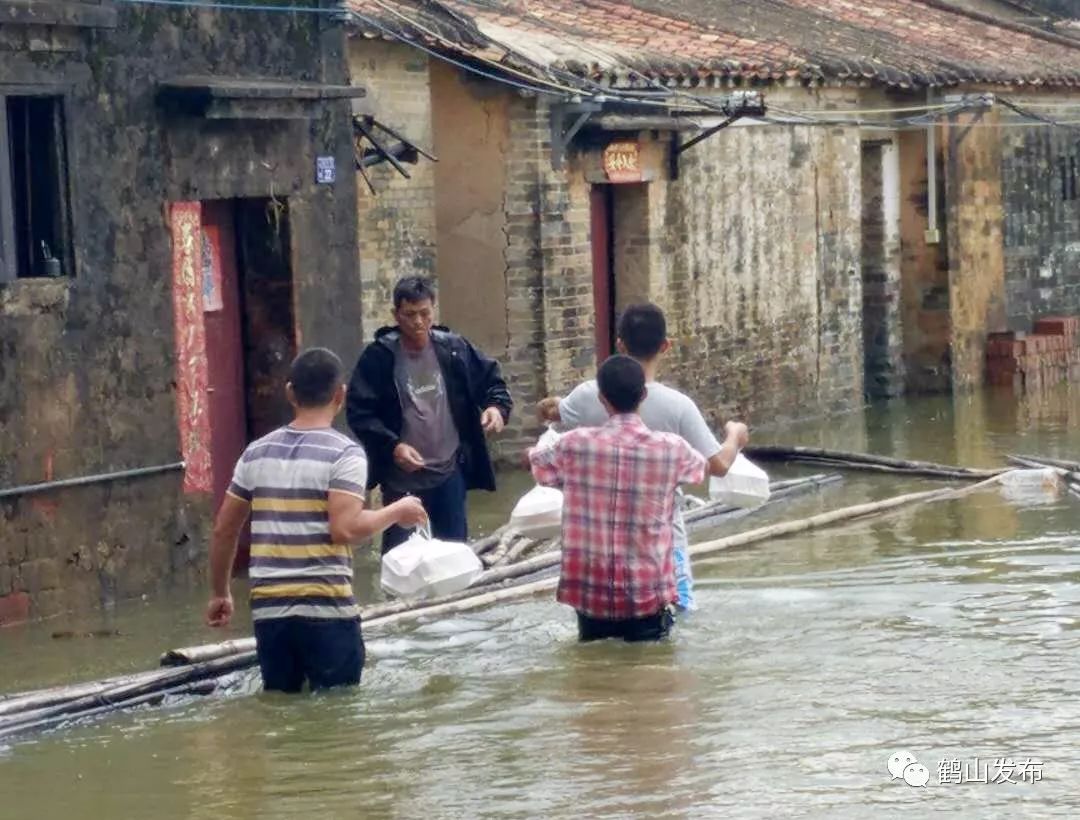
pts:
[949, 631]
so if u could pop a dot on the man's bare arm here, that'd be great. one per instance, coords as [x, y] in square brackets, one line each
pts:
[737, 436]
[350, 522]
[227, 526]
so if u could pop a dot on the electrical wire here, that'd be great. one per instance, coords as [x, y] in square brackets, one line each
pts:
[599, 89]
[260, 7]
[438, 55]
[703, 104]
[501, 66]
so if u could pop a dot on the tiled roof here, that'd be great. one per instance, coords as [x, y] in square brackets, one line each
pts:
[905, 43]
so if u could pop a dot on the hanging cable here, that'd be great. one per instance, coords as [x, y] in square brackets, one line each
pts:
[260, 7]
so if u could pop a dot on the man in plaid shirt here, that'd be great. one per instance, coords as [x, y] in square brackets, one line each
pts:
[619, 485]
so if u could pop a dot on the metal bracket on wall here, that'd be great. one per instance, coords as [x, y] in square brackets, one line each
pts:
[737, 105]
[677, 148]
[566, 120]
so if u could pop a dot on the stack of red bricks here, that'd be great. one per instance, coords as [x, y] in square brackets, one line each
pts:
[1050, 353]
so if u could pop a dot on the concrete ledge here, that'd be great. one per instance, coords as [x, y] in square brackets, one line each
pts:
[57, 13]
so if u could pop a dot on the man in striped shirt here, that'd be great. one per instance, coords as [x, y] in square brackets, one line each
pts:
[303, 486]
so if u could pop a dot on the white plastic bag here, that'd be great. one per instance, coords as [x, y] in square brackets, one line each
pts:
[1032, 486]
[426, 567]
[538, 514]
[746, 485]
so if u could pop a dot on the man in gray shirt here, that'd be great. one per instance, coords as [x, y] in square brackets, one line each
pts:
[642, 334]
[422, 400]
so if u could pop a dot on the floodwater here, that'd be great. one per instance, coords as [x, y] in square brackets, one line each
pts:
[950, 631]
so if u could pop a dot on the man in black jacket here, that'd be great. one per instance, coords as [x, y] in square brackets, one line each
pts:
[421, 400]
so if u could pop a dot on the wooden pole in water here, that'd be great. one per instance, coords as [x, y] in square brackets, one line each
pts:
[1039, 463]
[121, 692]
[1071, 466]
[491, 580]
[868, 461]
[116, 696]
[834, 517]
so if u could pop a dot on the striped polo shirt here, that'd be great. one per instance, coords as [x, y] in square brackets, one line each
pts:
[296, 568]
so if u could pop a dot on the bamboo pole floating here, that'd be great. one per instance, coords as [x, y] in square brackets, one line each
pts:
[868, 461]
[147, 686]
[493, 557]
[1071, 466]
[205, 687]
[517, 549]
[549, 560]
[482, 545]
[116, 696]
[835, 517]
[777, 491]
[1038, 463]
[42, 698]
[491, 580]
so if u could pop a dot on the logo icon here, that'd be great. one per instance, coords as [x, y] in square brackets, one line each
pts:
[904, 766]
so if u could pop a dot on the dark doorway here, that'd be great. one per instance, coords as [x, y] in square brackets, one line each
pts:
[882, 341]
[250, 332]
[603, 254]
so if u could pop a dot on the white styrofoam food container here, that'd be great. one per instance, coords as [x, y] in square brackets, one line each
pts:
[538, 513]
[746, 485]
[424, 567]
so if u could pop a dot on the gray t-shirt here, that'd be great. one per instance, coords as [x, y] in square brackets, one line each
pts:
[664, 410]
[427, 424]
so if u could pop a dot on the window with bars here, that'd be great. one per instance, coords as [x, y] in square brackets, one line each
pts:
[34, 211]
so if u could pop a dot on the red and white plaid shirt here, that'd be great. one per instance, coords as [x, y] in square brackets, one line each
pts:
[618, 484]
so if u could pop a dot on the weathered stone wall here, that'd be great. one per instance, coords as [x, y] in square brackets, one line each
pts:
[883, 365]
[973, 199]
[472, 126]
[760, 235]
[397, 221]
[1040, 174]
[754, 253]
[86, 363]
[924, 271]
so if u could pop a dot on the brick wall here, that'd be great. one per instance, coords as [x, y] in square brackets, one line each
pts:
[924, 272]
[754, 253]
[1040, 176]
[397, 221]
[882, 335]
[87, 365]
[757, 254]
[973, 212]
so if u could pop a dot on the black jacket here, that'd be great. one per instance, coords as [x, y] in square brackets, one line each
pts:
[473, 383]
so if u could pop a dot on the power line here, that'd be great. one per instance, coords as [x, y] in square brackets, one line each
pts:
[260, 7]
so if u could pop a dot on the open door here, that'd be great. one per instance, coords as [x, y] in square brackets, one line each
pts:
[250, 333]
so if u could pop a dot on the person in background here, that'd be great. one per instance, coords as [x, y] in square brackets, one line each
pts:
[642, 334]
[303, 486]
[421, 400]
[618, 484]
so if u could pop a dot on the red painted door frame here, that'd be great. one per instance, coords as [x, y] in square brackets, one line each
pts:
[227, 394]
[600, 212]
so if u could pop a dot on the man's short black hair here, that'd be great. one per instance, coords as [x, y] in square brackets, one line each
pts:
[622, 382]
[643, 330]
[315, 376]
[413, 289]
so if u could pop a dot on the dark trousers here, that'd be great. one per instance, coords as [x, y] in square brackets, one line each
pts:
[324, 651]
[445, 506]
[649, 628]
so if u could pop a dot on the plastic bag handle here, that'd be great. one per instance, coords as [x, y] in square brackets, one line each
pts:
[423, 530]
